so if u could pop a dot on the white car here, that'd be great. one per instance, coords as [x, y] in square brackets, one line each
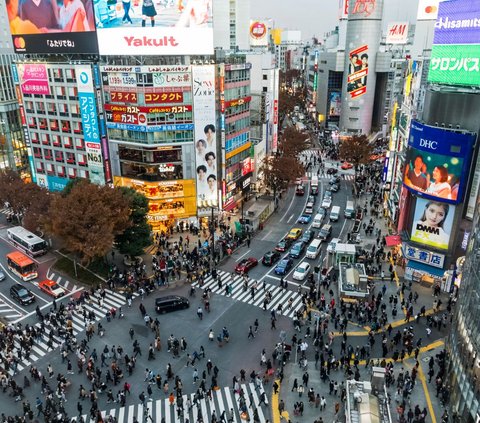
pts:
[327, 202]
[302, 271]
[332, 244]
[2, 275]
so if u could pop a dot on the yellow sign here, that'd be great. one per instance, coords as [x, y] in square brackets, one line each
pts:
[238, 150]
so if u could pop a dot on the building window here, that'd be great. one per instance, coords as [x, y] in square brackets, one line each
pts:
[77, 127]
[70, 158]
[84, 174]
[45, 139]
[39, 166]
[82, 159]
[61, 171]
[54, 125]
[67, 142]
[37, 152]
[50, 169]
[57, 141]
[58, 156]
[65, 126]
[79, 144]
[72, 173]
[47, 154]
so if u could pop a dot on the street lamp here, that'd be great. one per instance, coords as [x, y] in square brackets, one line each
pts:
[213, 205]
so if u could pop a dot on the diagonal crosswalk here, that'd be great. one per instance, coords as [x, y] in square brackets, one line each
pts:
[222, 400]
[40, 348]
[279, 295]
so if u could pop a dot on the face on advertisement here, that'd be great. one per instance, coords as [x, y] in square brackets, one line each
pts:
[202, 173]
[212, 184]
[210, 134]
[210, 159]
[48, 16]
[201, 148]
[432, 224]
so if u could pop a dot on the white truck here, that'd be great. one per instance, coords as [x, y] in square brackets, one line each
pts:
[314, 185]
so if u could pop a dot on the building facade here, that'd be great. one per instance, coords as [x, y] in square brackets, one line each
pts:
[59, 107]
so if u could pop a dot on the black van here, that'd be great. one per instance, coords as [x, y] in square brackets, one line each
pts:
[21, 294]
[171, 303]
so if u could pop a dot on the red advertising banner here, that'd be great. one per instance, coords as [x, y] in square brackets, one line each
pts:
[238, 101]
[275, 112]
[152, 109]
[357, 72]
[123, 97]
[158, 98]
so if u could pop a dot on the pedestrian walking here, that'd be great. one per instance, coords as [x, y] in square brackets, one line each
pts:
[250, 333]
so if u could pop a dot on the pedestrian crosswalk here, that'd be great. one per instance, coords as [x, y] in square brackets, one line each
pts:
[62, 282]
[222, 400]
[99, 309]
[290, 301]
[8, 312]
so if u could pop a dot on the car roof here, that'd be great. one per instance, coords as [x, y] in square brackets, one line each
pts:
[169, 297]
[48, 282]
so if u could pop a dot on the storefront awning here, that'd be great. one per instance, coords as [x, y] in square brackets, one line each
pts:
[393, 240]
[425, 268]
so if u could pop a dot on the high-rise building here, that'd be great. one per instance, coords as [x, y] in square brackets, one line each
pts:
[289, 40]
[13, 150]
[231, 24]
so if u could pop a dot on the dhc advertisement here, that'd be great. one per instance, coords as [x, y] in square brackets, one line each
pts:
[437, 162]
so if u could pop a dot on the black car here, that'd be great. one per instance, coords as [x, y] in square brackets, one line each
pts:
[21, 294]
[171, 303]
[270, 258]
[284, 244]
[332, 171]
[308, 236]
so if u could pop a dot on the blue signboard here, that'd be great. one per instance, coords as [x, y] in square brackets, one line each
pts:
[437, 162]
[55, 183]
[457, 23]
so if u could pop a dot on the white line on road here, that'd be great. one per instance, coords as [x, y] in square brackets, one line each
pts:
[267, 235]
[243, 255]
[290, 218]
[289, 207]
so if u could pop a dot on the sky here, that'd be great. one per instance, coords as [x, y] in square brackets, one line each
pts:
[316, 17]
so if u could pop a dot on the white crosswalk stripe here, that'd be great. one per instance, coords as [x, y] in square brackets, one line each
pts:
[62, 282]
[8, 312]
[222, 400]
[40, 348]
[279, 295]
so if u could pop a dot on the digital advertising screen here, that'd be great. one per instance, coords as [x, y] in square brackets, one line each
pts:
[432, 223]
[52, 26]
[456, 44]
[437, 162]
[154, 27]
[357, 72]
[335, 103]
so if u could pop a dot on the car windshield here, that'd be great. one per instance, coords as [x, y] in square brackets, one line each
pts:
[301, 270]
[54, 286]
[22, 293]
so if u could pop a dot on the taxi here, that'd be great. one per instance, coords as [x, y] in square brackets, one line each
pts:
[51, 288]
[295, 233]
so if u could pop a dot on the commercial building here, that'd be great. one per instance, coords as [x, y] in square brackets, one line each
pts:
[237, 148]
[231, 24]
[60, 118]
[13, 150]
[290, 40]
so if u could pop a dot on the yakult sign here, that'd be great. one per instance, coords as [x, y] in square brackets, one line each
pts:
[145, 28]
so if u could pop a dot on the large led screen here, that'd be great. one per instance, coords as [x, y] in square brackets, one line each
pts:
[154, 27]
[437, 162]
[432, 223]
[51, 26]
[456, 44]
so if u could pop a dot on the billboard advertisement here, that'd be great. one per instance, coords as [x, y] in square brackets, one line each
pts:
[432, 223]
[259, 33]
[49, 26]
[335, 106]
[357, 72]
[33, 78]
[91, 134]
[205, 134]
[427, 10]
[397, 33]
[151, 27]
[456, 44]
[437, 162]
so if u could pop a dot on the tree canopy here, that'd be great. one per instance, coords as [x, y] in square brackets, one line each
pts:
[279, 171]
[28, 201]
[137, 236]
[356, 150]
[88, 218]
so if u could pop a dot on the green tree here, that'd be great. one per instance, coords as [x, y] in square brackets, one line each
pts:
[88, 218]
[356, 150]
[137, 236]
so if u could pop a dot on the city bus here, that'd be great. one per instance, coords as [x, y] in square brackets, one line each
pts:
[24, 267]
[26, 241]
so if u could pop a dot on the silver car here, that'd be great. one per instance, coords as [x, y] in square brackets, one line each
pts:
[2, 275]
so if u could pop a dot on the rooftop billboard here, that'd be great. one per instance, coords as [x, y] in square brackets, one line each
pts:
[48, 26]
[456, 44]
[153, 27]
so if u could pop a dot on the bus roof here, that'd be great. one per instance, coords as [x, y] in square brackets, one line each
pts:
[25, 234]
[20, 258]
